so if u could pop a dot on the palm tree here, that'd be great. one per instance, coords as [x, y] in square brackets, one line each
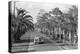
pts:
[21, 24]
[73, 12]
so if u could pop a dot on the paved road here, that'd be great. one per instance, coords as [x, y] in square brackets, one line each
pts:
[50, 47]
[42, 47]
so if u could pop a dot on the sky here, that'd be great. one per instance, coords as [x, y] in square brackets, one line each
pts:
[34, 7]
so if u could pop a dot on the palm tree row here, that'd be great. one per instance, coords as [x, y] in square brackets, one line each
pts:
[56, 19]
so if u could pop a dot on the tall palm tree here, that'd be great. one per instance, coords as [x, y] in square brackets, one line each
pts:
[21, 24]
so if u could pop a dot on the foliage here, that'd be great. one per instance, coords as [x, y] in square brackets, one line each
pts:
[21, 24]
[54, 19]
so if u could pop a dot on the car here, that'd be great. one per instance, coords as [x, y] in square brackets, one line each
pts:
[39, 40]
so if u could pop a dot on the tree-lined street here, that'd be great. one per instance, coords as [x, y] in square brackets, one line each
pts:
[54, 30]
